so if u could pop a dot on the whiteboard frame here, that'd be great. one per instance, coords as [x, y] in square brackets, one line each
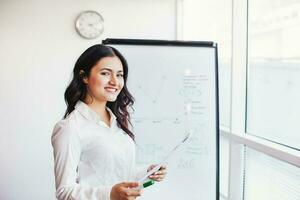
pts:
[209, 44]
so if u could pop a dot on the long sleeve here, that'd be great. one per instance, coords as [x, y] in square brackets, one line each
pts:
[66, 151]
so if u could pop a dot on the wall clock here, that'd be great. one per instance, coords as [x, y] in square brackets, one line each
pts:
[89, 24]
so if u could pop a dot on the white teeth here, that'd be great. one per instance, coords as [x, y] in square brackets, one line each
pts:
[111, 89]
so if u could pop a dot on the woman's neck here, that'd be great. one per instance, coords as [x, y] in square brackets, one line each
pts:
[100, 108]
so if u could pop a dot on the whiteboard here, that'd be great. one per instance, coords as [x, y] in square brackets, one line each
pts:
[175, 86]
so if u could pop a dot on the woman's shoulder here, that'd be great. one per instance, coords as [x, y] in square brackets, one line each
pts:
[65, 127]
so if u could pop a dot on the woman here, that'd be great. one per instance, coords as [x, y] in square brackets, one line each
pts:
[94, 149]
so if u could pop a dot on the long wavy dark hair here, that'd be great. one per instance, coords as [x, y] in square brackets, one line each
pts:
[77, 90]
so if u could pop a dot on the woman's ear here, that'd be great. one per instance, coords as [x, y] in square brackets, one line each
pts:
[84, 77]
[85, 80]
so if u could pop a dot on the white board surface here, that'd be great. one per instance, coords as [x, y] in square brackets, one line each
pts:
[175, 93]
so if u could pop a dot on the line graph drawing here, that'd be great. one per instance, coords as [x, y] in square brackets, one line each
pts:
[155, 93]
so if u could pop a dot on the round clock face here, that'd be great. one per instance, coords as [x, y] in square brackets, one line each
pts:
[89, 24]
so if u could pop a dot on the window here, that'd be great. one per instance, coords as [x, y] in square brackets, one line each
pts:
[273, 96]
[259, 94]
[224, 165]
[269, 178]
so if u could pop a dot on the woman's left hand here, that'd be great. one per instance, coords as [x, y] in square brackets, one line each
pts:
[159, 175]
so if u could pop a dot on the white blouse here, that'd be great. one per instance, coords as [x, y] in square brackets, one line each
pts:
[90, 157]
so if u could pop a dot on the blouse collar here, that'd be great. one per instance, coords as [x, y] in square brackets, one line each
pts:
[91, 115]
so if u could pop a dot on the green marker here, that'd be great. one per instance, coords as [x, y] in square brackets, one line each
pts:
[146, 184]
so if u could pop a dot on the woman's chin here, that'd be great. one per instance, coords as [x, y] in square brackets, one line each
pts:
[111, 98]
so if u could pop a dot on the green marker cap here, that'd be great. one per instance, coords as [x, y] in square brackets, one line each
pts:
[147, 184]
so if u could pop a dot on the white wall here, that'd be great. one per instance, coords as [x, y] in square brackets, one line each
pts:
[39, 46]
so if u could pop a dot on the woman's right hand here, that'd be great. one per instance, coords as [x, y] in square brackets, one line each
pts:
[125, 191]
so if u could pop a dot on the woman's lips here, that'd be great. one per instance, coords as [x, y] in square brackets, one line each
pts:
[110, 89]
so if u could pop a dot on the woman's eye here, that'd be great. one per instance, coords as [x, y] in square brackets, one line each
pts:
[105, 73]
[120, 75]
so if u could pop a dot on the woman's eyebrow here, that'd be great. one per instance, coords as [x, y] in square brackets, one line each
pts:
[108, 69]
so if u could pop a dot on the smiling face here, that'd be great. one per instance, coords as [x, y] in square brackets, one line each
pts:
[106, 80]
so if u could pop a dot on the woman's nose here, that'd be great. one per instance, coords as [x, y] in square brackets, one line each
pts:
[113, 80]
